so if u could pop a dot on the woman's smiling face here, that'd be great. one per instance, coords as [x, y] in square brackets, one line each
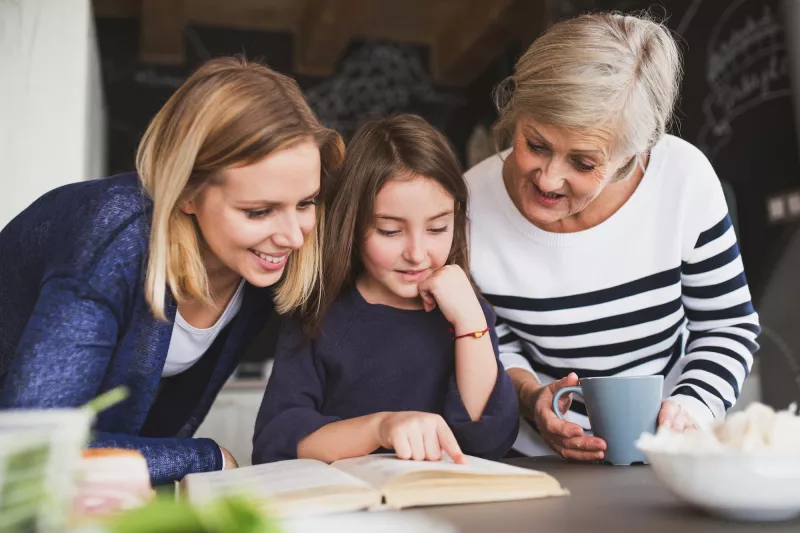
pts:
[553, 174]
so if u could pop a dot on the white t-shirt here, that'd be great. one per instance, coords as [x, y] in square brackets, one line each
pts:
[658, 288]
[188, 343]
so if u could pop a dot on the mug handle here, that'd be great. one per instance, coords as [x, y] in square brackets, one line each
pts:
[557, 396]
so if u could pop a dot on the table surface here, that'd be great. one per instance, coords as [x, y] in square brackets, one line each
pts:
[603, 498]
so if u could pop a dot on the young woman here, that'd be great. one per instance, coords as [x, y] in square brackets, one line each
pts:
[397, 351]
[157, 280]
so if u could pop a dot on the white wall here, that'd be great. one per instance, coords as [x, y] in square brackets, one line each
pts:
[52, 115]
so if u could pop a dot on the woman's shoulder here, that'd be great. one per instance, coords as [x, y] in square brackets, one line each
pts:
[72, 227]
[104, 203]
[684, 163]
[113, 201]
[486, 171]
[485, 185]
[104, 211]
[690, 183]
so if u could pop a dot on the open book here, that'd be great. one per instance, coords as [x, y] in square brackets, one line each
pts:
[305, 487]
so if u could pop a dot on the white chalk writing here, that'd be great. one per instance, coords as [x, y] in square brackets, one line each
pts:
[746, 67]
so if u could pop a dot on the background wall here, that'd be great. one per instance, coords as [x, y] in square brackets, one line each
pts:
[52, 116]
[736, 105]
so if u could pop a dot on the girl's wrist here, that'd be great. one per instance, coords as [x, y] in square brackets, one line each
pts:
[469, 325]
[376, 421]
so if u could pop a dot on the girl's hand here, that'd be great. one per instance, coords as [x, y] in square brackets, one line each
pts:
[418, 436]
[230, 461]
[450, 289]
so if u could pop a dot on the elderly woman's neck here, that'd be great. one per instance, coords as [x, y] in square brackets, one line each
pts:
[599, 209]
[608, 202]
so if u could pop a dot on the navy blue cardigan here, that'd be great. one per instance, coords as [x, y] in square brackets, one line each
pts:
[74, 322]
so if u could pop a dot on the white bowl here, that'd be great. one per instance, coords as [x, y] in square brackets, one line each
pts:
[747, 486]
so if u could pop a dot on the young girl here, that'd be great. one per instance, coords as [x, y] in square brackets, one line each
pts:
[398, 352]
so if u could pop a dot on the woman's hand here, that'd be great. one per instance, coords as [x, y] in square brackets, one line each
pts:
[565, 438]
[230, 462]
[674, 416]
[450, 289]
[418, 436]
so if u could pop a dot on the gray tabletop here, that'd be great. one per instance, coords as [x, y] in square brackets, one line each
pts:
[603, 499]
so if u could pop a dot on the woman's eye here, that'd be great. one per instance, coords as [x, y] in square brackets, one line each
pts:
[438, 230]
[536, 148]
[387, 232]
[583, 167]
[259, 213]
[307, 204]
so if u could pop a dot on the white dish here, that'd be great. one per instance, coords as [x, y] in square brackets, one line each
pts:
[745, 486]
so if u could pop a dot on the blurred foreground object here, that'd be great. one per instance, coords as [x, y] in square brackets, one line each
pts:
[110, 481]
[746, 467]
[169, 515]
[39, 453]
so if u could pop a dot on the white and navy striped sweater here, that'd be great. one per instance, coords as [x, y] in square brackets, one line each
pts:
[658, 288]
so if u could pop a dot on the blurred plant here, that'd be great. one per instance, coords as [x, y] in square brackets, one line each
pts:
[169, 515]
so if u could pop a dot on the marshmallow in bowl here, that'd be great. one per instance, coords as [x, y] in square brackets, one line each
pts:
[758, 427]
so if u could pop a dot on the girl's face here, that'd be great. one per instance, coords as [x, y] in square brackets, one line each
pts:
[410, 238]
[256, 215]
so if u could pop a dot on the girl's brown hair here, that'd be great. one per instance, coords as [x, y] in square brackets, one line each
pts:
[229, 112]
[398, 147]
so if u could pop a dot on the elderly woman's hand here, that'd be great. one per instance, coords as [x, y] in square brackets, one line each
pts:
[566, 438]
[674, 416]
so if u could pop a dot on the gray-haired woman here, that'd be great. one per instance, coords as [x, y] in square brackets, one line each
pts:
[605, 244]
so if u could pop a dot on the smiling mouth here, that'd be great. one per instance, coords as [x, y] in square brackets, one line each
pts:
[269, 258]
[551, 195]
[412, 272]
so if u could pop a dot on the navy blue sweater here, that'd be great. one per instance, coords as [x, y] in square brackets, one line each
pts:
[371, 358]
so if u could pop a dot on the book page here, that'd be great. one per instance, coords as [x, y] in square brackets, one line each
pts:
[379, 469]
[269, 480]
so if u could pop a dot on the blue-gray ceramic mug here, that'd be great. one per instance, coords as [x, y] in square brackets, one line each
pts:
[620, 409]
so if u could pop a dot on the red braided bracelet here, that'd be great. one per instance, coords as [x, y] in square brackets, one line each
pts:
[473, 334]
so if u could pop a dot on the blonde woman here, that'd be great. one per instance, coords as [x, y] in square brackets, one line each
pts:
[605, 244]
[157, 280]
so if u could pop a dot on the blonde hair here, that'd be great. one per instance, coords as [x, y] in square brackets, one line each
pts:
[229, 112]
[597, 71]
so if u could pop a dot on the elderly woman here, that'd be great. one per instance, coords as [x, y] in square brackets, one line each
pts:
[605, 244]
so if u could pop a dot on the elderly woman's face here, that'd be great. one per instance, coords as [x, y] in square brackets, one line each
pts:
[553, 174]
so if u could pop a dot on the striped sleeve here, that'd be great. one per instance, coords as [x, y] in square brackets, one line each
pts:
[510, 348]
[722, 322]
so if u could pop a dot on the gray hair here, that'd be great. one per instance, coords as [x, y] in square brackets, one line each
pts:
[597, 71]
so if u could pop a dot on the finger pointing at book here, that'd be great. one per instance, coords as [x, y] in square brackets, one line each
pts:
[418, 436]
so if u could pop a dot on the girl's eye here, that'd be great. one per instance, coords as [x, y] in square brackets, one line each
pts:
[259, 213]
[307, 204]
[387, 232]
[581, 166]
[536, 148]
[439, 230]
